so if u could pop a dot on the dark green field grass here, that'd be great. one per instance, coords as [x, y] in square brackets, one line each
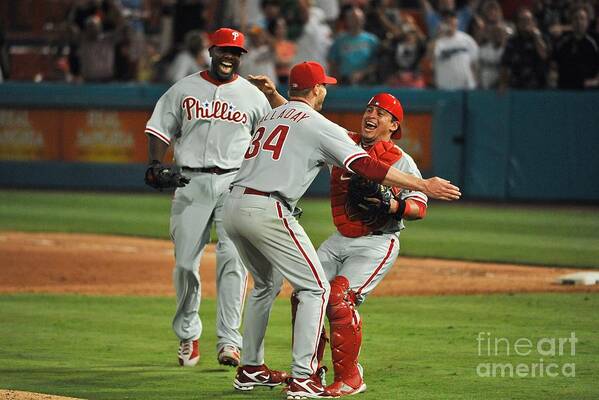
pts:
[561, 236]
[414, 347]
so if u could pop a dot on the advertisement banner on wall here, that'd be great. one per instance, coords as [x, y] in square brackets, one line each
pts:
[105, 136]
[417, 138]
[73, 135]
[30, 135]
[108, 136]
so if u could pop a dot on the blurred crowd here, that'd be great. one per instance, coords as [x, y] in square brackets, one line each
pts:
[446, 44]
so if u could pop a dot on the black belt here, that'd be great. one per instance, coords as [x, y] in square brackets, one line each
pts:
[377, 233]
[210, 170]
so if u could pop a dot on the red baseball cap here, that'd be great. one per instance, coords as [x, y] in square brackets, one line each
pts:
[307, 75]
[226, 37]
[389, 103]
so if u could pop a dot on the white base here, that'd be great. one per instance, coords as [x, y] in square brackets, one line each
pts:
[579, 278]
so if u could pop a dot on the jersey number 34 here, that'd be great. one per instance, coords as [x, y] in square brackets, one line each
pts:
[273, 143]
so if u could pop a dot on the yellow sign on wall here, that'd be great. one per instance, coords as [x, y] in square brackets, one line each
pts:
[28, 135]
[73, 135]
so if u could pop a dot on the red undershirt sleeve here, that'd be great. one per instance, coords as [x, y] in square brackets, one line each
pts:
[370, 168]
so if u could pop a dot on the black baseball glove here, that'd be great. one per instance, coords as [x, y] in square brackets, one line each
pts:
[161, 177]
[368, 201]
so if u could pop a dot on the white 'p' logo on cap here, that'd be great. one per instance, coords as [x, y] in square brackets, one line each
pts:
[235, 34]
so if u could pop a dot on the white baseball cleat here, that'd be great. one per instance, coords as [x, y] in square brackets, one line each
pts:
[249, 376]
[189, 353]
[229, 355]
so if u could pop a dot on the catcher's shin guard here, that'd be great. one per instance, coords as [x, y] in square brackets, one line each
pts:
[346, 332]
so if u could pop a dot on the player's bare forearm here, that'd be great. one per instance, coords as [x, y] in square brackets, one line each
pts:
[268, 87]
[156, 149]
[436, 188]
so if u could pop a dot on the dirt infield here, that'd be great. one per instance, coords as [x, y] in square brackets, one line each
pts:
[114, 265]
[18, 395]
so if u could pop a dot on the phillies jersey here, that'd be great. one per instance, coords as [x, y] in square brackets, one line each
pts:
[208, 122]
[288, 148]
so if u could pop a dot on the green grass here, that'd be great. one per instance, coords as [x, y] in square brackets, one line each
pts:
[121, 214]
[426, 348]
[498, 233]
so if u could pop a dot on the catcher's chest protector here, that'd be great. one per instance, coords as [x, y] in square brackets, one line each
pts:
[383, 151]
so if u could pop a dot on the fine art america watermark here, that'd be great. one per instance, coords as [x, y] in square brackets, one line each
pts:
[549, 350]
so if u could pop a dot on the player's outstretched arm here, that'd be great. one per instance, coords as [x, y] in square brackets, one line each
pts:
[268, 87]
[436, 188]
[378, 171]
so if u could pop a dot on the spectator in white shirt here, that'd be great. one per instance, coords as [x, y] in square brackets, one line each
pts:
[455, 56]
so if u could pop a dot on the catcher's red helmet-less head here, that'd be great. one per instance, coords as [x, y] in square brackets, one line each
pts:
[309, 74]
[226, 37]
[389, 103]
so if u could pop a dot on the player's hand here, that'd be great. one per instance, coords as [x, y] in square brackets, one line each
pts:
[264, 83]
[442, 189]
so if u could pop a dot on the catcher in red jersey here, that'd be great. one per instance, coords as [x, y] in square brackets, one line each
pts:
[369, 218]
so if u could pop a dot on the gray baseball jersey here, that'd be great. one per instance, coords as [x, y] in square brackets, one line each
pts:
[209, 123]
[287, 150]
[289, 146]
[365, 260]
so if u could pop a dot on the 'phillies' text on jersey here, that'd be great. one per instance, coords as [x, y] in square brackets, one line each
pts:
[215, 109]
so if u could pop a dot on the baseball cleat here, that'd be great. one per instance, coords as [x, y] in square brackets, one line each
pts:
[307, 388]
[349, 387]
[228, 355]
[321, 375]
[249, 376]
[189, 353]
[340, 388]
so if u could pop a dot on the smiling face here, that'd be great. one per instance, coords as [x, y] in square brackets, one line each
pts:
[225, 62]
[377, 125]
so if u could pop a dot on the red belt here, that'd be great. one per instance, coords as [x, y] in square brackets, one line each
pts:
[266, 194]
[256, 192]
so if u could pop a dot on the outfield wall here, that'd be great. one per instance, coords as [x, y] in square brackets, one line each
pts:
[511, 146]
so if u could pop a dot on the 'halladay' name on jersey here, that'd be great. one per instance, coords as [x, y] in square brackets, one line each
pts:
[290, 114]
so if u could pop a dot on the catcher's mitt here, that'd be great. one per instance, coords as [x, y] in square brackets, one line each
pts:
[368, 201]
[161, 177]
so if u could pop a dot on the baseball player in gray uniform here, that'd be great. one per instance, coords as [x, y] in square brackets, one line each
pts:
[208, 117]
[360, 253]
[289, 146]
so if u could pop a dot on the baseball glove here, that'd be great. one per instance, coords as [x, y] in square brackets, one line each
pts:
[161, 177]
[368, 201]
